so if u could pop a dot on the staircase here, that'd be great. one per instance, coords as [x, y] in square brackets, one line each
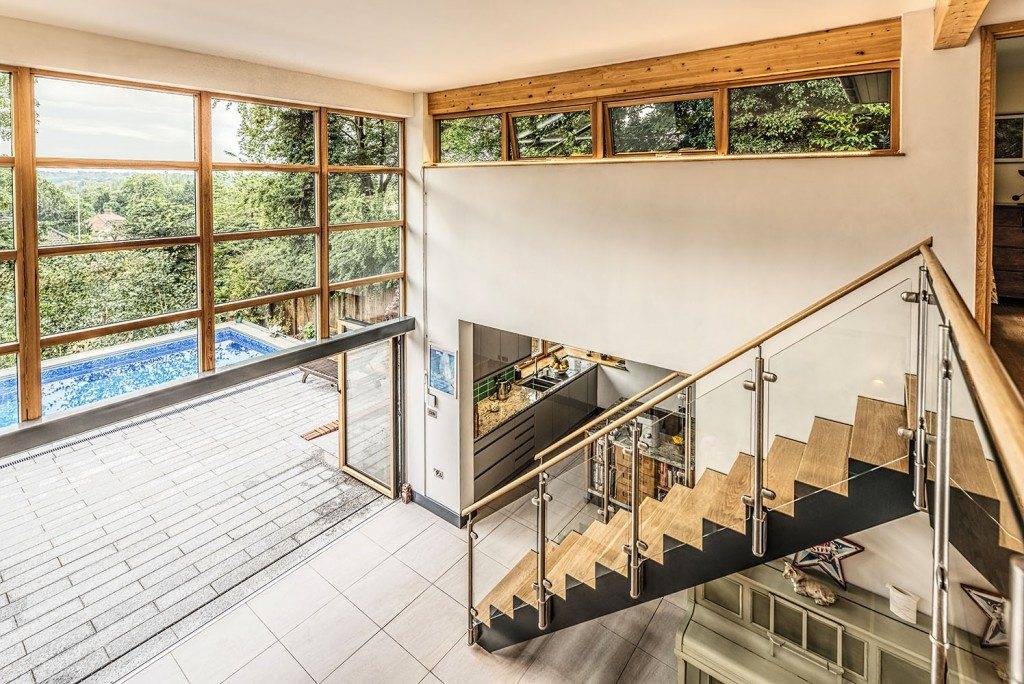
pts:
[983, 526]
[844, 479]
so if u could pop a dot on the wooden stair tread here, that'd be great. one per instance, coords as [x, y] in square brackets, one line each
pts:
[525, 591]
[1010, 535]
[727, 508]
[500, 596]
[825, 463]
[875, 439]
[656, 519]
[968, 466]
[687, 524]
[579, 561]
[781, 467]
[612, 556]
[911, 404]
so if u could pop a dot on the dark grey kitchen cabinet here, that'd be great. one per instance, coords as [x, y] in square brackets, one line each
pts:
[544, 424]
[495, 349]
[509, 450]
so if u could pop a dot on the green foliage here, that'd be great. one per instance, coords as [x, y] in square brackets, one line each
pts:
[363, 197]
[664, 126]
[470, 139]
[804, 116]
[561, 134]
[78, 291]
[363, 253]
[361, 141]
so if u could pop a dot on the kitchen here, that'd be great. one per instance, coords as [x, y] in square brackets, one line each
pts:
[529, 393]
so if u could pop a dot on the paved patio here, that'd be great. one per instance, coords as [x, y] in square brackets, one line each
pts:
[386, 603]
[118, 545]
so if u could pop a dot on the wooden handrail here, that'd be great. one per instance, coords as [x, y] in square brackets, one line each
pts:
[806, 312]
[991, 387]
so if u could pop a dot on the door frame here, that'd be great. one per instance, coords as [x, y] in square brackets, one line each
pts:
[983, 276]
[390, 488]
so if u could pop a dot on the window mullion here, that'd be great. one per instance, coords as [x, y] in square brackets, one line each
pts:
[323, 238]
[204, 145]
[27, 245]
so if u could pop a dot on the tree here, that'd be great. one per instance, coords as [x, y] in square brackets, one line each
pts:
[805, 116]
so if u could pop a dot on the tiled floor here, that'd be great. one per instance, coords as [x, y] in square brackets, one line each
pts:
[119, 544]
[386, 603]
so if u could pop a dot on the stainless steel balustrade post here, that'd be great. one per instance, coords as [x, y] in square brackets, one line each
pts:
[606, 472]
[921, 433]
[758, 492]
[542, 584]
[688, 412]
[940, 514]
[473, 632]
[635, 546]
[1016, 620]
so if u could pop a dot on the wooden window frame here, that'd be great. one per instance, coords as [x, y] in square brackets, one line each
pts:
[894, 107]
[719, 91]
[715, 95]
[504, 138]
[27, 251]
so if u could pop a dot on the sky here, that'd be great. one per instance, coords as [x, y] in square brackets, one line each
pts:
[90, 120]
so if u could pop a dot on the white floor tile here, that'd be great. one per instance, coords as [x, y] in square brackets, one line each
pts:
[561, 658]
[223, 646]
[378, 660]
[397, 525]
[659, 637]
[508, 542]
[292, 599]
[348, 559]
[430, 679]
[643, 667]
[329, 637]
[487, 572]
[163, 670]
[430, 626]
[631, 623]
[433, 551]
[384, 591]
[274, 665]
[472, 664]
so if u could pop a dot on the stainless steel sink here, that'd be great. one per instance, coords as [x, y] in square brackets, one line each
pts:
[541, 384]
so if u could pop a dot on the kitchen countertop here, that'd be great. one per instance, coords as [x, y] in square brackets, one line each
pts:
[522, 398]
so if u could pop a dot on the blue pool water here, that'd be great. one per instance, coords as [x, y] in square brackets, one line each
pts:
[83, 382]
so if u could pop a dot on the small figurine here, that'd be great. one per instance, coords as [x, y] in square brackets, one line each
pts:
[805, 586]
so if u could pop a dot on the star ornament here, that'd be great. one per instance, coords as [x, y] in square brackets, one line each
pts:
[994, 607]
[828, 558]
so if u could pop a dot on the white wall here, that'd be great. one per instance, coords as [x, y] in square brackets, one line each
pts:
[672, 263]
[30, 44]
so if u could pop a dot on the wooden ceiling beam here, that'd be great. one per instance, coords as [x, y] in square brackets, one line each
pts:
[851, 46]
[955, 21]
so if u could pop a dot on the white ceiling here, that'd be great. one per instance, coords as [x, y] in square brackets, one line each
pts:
[423, 45]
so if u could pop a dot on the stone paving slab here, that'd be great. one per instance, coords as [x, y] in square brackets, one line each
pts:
[122, 541]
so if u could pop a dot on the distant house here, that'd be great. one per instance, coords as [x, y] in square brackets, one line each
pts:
[105, 224]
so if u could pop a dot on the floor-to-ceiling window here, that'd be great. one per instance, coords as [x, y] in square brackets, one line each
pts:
[151, 233]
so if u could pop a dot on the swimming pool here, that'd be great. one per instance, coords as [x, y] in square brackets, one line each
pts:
[78, 383]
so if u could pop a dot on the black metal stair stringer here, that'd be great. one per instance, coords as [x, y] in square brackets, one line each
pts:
[876, 496]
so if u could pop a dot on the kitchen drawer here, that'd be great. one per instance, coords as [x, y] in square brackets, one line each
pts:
[500, 431]
[1008, 236]
[487, 482]
[1008, 259]
[1010, 284]
[512, 440]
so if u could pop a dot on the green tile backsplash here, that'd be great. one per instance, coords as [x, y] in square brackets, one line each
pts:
[488, 386]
